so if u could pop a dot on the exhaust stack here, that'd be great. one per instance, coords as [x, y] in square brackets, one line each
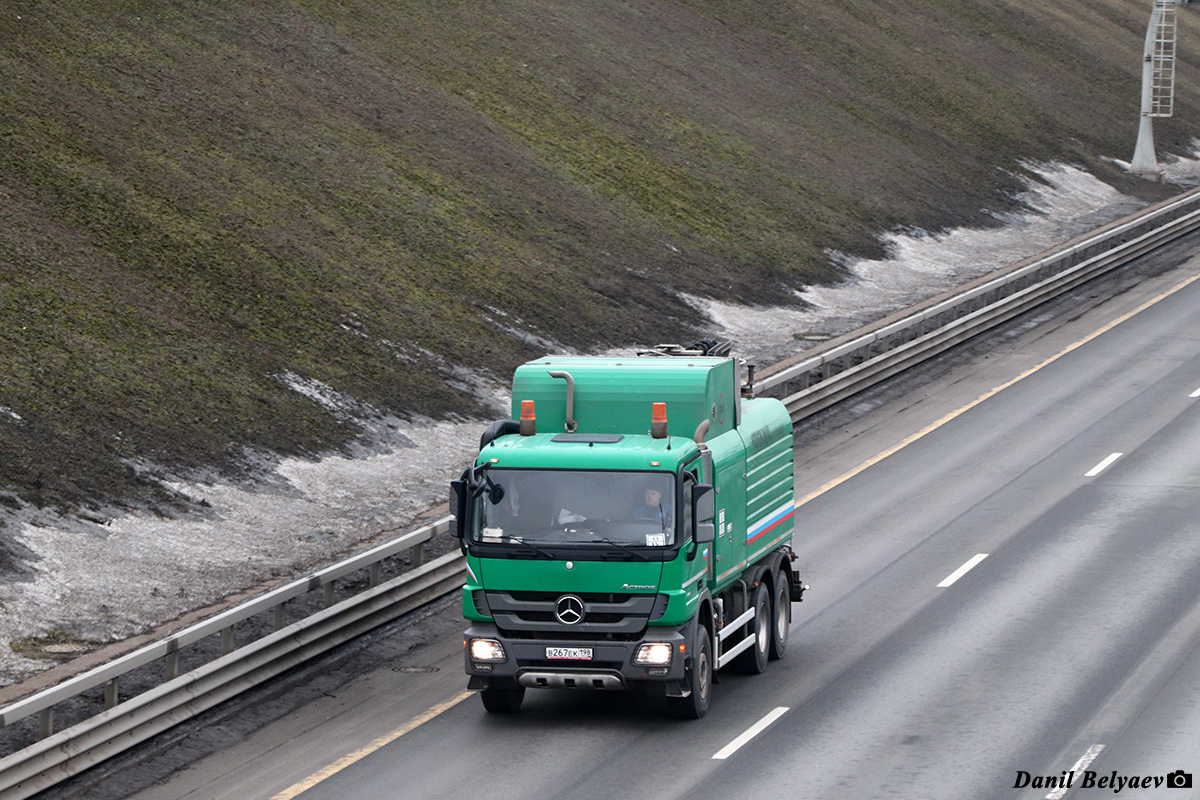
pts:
[566, 376]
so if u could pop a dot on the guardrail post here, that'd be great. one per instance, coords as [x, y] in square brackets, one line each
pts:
[278, 620]
[111, 693]
[373, 575]
[418, 554]
[46, 723]
[171, 666]
[329, 594]
[227, 640]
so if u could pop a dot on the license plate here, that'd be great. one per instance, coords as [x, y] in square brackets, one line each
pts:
[570, 653]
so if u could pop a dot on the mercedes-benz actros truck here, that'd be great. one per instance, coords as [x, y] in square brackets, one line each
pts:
[629, 528]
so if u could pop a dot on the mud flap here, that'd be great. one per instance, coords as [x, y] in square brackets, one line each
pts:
[798, 587]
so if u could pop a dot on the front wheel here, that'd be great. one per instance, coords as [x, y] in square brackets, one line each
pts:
[695, 705]
[505, 700]
[754, 660]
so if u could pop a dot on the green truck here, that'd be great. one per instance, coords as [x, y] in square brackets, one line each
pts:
[629, 528]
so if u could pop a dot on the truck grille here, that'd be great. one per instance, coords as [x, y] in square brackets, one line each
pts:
[618, 615]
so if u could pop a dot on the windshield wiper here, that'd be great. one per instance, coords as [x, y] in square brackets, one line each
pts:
[629, 550]
[538, 550]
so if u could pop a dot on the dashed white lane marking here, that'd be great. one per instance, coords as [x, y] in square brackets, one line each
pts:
[751, 732]
[1195, 393]
[1080, 765]
[1103, 465]
[963, 570]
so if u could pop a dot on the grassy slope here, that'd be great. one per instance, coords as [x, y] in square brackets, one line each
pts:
[197, 198]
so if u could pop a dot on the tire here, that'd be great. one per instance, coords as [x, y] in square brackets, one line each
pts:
[781, 617]
[505, 700]
[754, 660]
[695, 705]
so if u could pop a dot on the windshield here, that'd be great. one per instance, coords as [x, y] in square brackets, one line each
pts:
[565, 507]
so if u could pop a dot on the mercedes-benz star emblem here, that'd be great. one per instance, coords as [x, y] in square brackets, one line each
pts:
[569, 610]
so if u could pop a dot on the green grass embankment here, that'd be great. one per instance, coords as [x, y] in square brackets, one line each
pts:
[199, 198]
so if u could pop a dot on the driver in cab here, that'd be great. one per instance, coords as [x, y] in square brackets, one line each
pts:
[652, 508]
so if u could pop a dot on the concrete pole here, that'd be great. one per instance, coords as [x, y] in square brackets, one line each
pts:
[1144, 160]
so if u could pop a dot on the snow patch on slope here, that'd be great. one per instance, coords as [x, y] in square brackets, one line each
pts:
[921, 264]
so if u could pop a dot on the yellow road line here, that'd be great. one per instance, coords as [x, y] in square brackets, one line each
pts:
[363, 752]
[991, 392]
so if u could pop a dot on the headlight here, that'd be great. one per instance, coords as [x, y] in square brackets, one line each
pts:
[486, 650]
[654, 654]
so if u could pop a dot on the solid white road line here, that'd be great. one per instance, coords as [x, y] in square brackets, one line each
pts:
[751, 732]
[1080, 766]
[1195, 393]
[963, 570]
[1103, 465]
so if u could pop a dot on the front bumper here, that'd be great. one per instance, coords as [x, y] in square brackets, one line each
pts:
[610, 666]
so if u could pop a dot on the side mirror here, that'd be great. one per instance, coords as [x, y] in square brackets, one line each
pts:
[704, 506]
[458, 505]
[704, 503]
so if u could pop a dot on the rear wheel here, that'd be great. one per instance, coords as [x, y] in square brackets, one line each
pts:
[695, 705]
[503, 700]
[754, 660]
[780, 616]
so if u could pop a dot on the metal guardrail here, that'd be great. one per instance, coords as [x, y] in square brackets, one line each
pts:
[58, 756]
[817, 380]
[843, 367]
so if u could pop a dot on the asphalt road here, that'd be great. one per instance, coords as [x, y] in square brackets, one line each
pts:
[1073, 644]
